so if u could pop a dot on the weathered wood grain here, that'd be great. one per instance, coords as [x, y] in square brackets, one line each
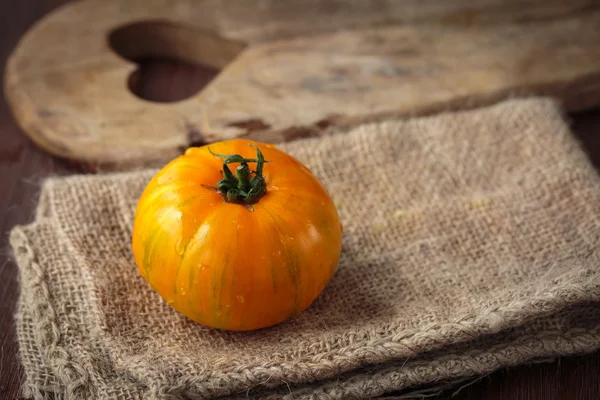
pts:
[288, 69]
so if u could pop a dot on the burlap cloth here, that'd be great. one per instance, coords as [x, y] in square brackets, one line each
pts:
[471, 242]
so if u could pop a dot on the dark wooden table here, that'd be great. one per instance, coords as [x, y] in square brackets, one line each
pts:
[23, 166]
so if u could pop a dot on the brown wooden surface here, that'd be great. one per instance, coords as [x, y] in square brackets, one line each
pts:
[287, 67]
[23, 166]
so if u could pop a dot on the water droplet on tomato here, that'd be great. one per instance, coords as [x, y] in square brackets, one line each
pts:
[163, 180]
[273, 187]
[180, 247]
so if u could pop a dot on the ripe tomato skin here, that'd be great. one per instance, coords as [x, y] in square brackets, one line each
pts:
[223, 264]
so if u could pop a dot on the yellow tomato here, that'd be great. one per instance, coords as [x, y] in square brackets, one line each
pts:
[236, 241]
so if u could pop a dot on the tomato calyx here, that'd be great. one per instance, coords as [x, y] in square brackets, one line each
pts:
[243, 186]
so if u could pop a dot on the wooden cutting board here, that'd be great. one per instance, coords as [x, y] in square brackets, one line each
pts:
[287, 68]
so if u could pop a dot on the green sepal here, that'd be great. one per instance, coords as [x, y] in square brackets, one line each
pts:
[240, 187]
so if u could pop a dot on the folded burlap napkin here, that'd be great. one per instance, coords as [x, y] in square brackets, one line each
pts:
[471, 242]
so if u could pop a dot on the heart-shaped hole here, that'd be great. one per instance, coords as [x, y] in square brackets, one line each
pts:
[175, 61]
[166, 80]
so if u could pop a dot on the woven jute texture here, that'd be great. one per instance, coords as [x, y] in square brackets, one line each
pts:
[471, 242]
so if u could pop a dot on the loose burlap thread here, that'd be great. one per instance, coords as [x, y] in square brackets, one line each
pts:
[471, 242]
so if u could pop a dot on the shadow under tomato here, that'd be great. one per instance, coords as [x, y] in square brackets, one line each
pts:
[353, 300]
[355, 297]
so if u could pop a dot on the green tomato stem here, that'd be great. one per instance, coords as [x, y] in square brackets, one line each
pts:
[242, 173]
[244, 186]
